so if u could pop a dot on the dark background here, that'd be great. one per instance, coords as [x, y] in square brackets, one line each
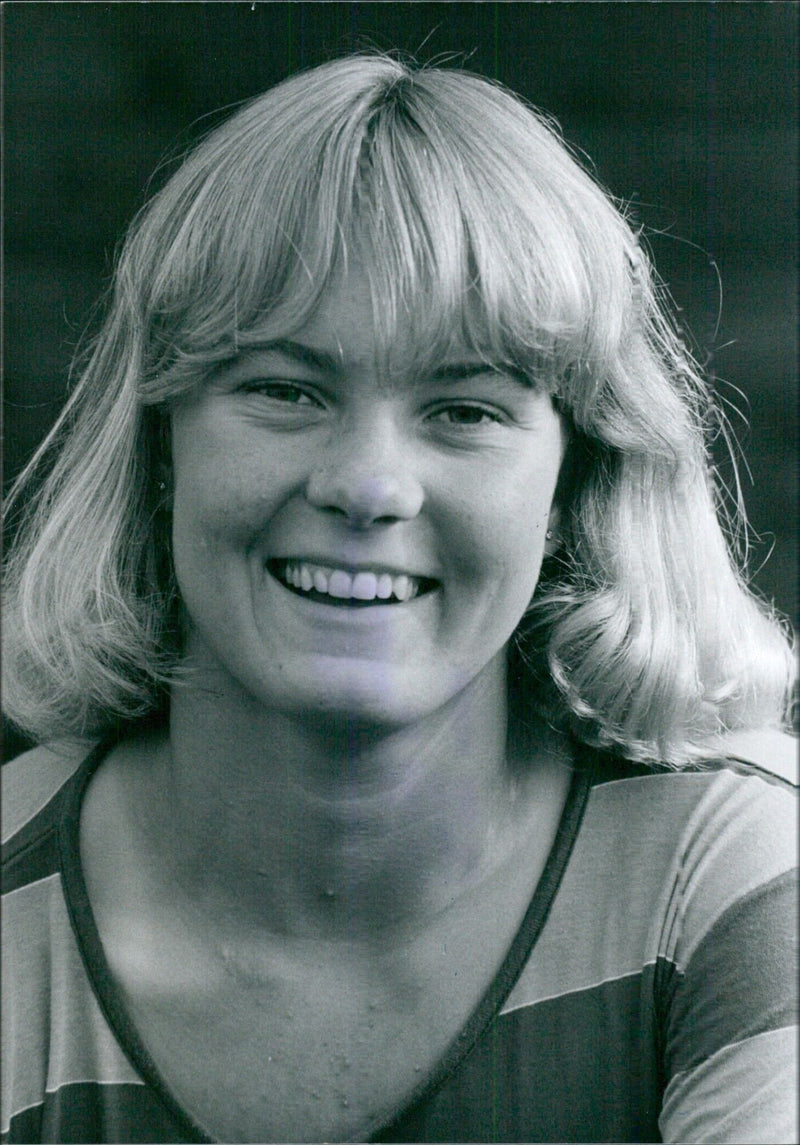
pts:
[687, 110]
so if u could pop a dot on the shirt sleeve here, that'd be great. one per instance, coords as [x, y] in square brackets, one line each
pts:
[730, 1006]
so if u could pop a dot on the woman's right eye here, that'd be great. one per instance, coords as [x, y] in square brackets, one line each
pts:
[289, 392]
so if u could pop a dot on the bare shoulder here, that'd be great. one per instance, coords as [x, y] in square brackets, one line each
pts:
[30, 780]
[769, 750]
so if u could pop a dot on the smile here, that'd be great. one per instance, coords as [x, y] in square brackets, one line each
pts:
[343, 586]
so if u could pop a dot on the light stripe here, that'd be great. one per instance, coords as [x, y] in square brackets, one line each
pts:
[48, 1002]
[769, 750]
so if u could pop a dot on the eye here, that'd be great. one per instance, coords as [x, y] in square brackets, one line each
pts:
[466, 414]
[285, 392]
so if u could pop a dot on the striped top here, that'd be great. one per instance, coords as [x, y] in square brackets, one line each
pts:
[650, 994]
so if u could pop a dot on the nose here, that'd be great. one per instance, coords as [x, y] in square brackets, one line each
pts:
[366, 477]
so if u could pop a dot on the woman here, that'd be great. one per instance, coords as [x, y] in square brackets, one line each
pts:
[380, 559]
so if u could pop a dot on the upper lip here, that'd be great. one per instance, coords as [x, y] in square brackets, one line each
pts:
[349, 565]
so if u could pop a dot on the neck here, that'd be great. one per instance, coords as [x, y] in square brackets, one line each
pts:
[314, 826]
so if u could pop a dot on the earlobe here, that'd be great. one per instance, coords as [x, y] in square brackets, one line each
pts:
[164, 485]
[551, 537]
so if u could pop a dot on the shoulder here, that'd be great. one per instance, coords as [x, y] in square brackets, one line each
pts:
[64, 1071]
[682, 859]
[721, 826]
[768, 757]
[31, 780]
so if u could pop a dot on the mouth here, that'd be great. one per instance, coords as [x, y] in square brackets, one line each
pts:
[348, 588]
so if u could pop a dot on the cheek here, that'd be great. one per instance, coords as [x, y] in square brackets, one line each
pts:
[208, 516]
[224, 478]
[221, 502]
[504, 523]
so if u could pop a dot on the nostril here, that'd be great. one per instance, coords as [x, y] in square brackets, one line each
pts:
[357, 522]
[365, 500]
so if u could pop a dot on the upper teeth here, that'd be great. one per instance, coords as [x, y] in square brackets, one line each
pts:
[345, 585]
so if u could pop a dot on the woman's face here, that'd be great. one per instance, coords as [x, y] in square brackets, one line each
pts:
[358, 540]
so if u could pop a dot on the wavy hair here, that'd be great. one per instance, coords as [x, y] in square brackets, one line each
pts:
[471, 217]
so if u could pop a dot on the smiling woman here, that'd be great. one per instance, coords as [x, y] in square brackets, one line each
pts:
[316, 467]
[377, 552]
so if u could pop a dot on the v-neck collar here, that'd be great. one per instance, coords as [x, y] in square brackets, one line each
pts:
[487, 1009]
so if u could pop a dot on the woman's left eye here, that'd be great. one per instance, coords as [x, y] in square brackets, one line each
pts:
[466, 414]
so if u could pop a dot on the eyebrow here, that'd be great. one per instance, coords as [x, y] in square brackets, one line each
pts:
[329, 363]
[459, 371]
[317, 359]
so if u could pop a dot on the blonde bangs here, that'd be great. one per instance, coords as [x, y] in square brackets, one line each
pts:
[466, 234]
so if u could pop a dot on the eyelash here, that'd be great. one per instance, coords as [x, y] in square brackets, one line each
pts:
[491, 415]
[264, 387]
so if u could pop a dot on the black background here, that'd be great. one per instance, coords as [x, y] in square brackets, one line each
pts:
[687, 110]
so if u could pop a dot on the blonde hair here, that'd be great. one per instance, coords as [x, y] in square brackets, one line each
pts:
[471, 217]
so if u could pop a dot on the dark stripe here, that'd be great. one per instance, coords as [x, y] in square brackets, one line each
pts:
[741, 980]
[37, 860]
[88, 1112]
[31, 853]
[580, 1067]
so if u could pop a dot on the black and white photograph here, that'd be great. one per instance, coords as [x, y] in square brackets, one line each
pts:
[400, 572]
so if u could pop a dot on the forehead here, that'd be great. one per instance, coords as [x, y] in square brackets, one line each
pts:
[350, 330]
[344, 325]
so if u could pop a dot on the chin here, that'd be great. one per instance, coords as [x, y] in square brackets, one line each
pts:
[366, 692]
